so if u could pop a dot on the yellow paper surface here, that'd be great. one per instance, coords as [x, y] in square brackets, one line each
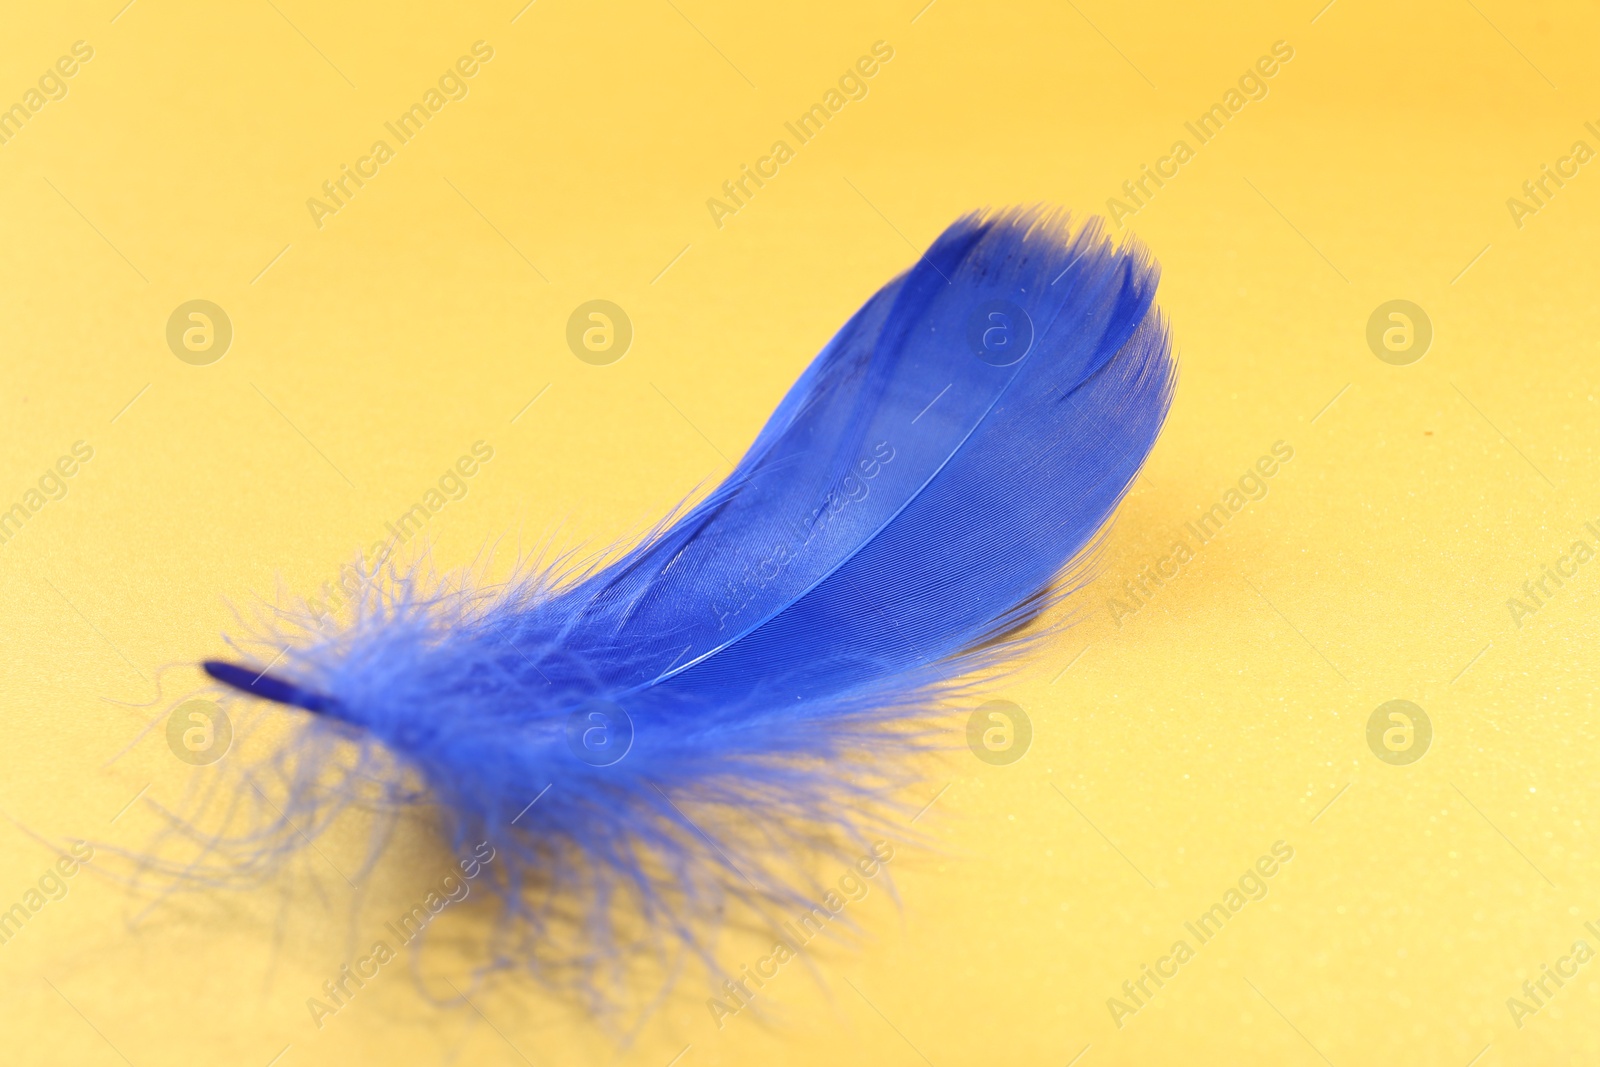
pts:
[1173, 745]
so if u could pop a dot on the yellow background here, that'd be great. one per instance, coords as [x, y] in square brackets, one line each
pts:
[1224, 716]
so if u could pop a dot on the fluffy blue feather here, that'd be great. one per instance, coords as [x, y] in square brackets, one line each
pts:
[736, 685]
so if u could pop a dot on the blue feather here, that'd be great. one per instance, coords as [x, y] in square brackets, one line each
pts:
[749, 673]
